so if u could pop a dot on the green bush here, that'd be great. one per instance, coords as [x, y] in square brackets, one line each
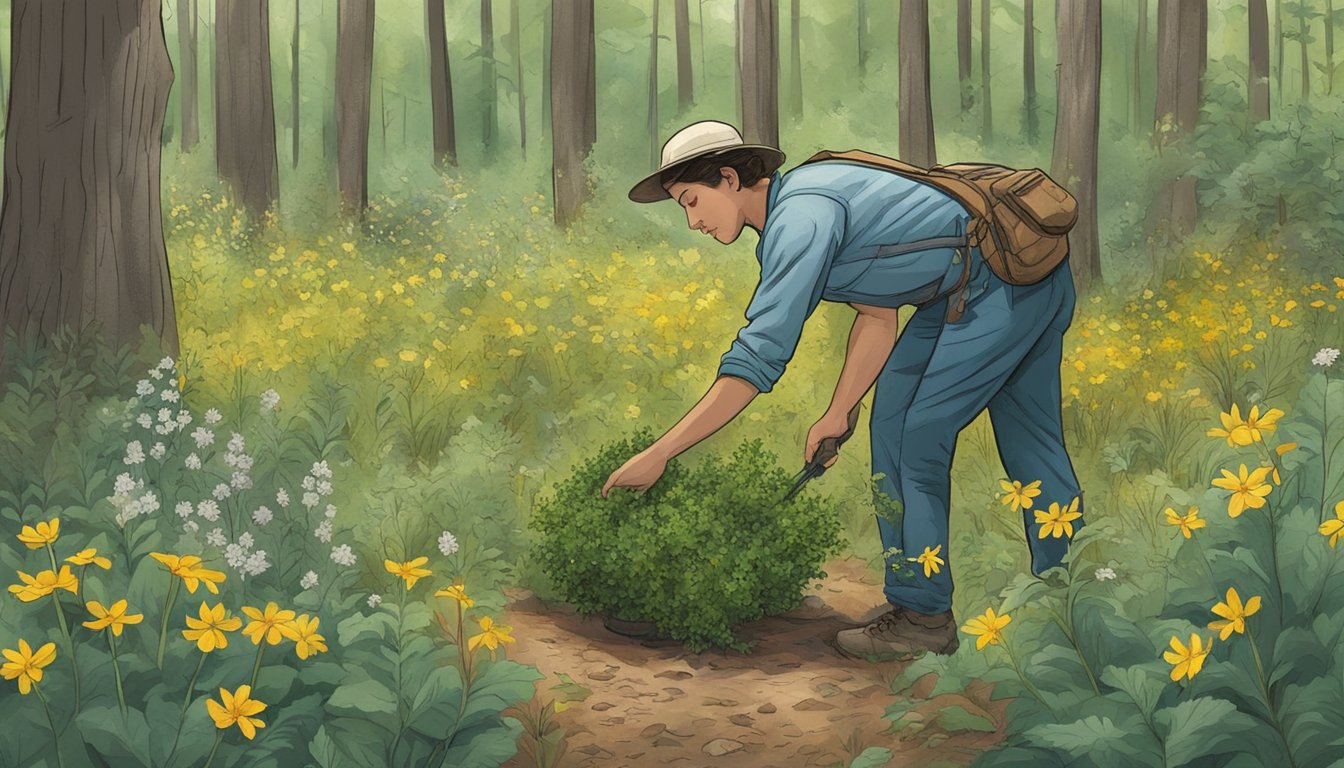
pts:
[700, 552]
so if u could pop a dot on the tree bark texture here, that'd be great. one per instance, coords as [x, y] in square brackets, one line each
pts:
[685, 77]
[1074, 163]
[573, 104]
[652, 123]
[758, 70]
[441, 87]
[795, 62]
[1181, 35]
[489, 83]
[244, 103]
[516, 29]
[546, 72]
[81, 230]
[916, 141]
[1029, 70]
[964, 71]
[186, 43]
[354, 89]
[1258, 79]
[294, 89]
[986, 103]
[1140, 55]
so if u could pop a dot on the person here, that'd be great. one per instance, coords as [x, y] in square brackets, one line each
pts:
[837, 230]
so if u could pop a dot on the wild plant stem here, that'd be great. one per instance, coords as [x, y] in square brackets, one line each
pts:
[186, 702]
[219, 736]
[1269, 700]
[168, 600]
[60, 762]
[65, 629]
[116, 672]
[1025, 682]
[1074, 642]
[256, 667]
[401, 728]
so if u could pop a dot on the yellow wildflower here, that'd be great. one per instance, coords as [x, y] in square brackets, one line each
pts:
[41, 535]
[26, 665]
[1255, 423]
[1187, 522]
[303, 631]
[1234, 429]
[459, 593]
[1058, 521]
[1018, 495]
[930, 560]
[208, 631]
[1234, 614]
[189, 569]
[237, 708]
[409, 570]
[492, 636]
[269, 623]
[988, 628]
[1331, 528]
[114, 617]
[1248, 490]
[89, 556]
[1187, 661]
[44, 583]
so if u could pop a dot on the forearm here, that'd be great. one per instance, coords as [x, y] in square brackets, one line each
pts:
[725, 399]
[870, 343]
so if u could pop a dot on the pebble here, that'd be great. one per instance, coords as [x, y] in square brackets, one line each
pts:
[719, 747]
[653, 730]
[602, 706]
[812, 705]
[766, 708]
[743, 720]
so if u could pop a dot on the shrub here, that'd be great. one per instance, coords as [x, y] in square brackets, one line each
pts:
[700, 552]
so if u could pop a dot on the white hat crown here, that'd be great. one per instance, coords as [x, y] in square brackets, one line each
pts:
[698, 138]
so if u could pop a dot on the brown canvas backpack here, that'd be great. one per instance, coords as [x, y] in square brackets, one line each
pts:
[1021, 217]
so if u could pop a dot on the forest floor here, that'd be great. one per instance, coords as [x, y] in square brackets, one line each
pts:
[794, 701]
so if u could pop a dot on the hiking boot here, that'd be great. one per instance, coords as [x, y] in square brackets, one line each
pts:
[900, 635]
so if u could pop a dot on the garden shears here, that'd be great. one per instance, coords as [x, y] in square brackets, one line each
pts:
[827, 450]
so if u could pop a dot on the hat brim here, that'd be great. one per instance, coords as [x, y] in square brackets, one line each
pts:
[650, 188]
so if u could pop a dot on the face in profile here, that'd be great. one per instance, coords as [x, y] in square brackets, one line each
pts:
[716, 210]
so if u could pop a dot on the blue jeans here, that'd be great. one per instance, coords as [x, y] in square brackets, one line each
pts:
[1003, 353]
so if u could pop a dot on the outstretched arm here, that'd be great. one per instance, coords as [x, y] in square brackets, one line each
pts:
[871, 340]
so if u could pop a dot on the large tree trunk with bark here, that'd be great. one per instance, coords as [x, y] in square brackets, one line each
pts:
[795, 62]
[573, 104]
[441, 87]
[758, 70]
[186, 43]
[515, 30]
[546, 72]
[1074, 163]
[1029, 71]
[986, 103]
[1279, 45]
[489, 82]
[294, 89]
[244, 104]
[652, 125]
[916, 143]
[354, 90]
[1140, 54]
[685, 78]
[1306, 61]
[1258, 76]
[81, 230]
[964, 71]
[1182, 29]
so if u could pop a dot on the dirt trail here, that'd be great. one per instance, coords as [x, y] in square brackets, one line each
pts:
[794, 701]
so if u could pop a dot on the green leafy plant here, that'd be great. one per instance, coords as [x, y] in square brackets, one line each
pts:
[699, 553]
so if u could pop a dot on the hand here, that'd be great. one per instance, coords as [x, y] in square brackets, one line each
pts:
[640, 472]
[831, 424]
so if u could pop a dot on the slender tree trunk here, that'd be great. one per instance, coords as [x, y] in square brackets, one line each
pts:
[573, 104]
[1306, 62]
[795, 62]
[1140, 55]
[354, 81]
[916, 141]
[186, 43]
[441, 87]
[546, 72]
[652, 126]
[862, 14]
[685, 78]
[964, 71]
[244, 104]
[1181, 34]
[1258, 75]
[294, 86]
[1074, 163]
[700, 4]
[986, 105]
[1029, 70]
[758, 71]
[1279, 46]
[737, 71]
[1329, 46]
[517, 30]
[489, 83]
[81, 228]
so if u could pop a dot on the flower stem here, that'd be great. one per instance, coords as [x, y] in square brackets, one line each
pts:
[116, 672]
[1076, 649]
[60, 762]
[256, 668]
[1025, 682]
[1269, 701]
[219, 736]
[186, 702]
[401, 728]
[168, 600]
[69, 644]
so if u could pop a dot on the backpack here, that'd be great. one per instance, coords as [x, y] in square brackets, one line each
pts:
[1021, 218]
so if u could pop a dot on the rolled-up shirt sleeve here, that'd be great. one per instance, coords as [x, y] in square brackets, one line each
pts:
[801, 236]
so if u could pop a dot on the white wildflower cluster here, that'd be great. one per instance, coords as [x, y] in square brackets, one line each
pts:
[216, 538]
[134, 453]
[375, 601]
[309, 580]
[242, 558]
[269, 399]
[132, 499]
[282, 498]
[208, 509]
[158, 451]
[212, 417]
[1104, 574]
[343, 556]
[262, 515]
[447, 543]
[241, 463]
[1326, 357]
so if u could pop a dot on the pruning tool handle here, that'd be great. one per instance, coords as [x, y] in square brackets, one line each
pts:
[830, 447]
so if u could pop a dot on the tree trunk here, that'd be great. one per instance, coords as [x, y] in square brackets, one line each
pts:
[795, 62]
[294, 86]
[81, 229]
[685, 78]
[1140, 55]
[546, 72]
[1181, 32]
[186, 43]
[652, 125]
[1074, 163]
[573, 104]
[489, 82]
[1279, 45]
[1306, 62]
[517, 31]
[916, 141]
[964, 73]
[862, 14]
[354, 85]
[244, 104]
[1258, 75]
[758, 71]
[1029, 70]
[441, 87]
[1329, 46]
[986, 103]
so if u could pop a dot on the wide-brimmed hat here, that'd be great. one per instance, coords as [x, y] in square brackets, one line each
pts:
[706, 137]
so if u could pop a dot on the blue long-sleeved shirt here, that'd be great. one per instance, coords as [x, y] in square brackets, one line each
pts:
[834, 230]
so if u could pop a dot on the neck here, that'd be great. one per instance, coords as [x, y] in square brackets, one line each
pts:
[755, 208]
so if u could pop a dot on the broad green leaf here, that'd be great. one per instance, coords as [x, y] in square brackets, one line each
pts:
[872, 757]
[117, 740]
[436, 704]
[367, 699]
[1142, 683]
[487, 744]
[1079, 736]
[1203, 727]
[957, 718]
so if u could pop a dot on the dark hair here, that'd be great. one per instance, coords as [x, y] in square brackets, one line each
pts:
[749, 165]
